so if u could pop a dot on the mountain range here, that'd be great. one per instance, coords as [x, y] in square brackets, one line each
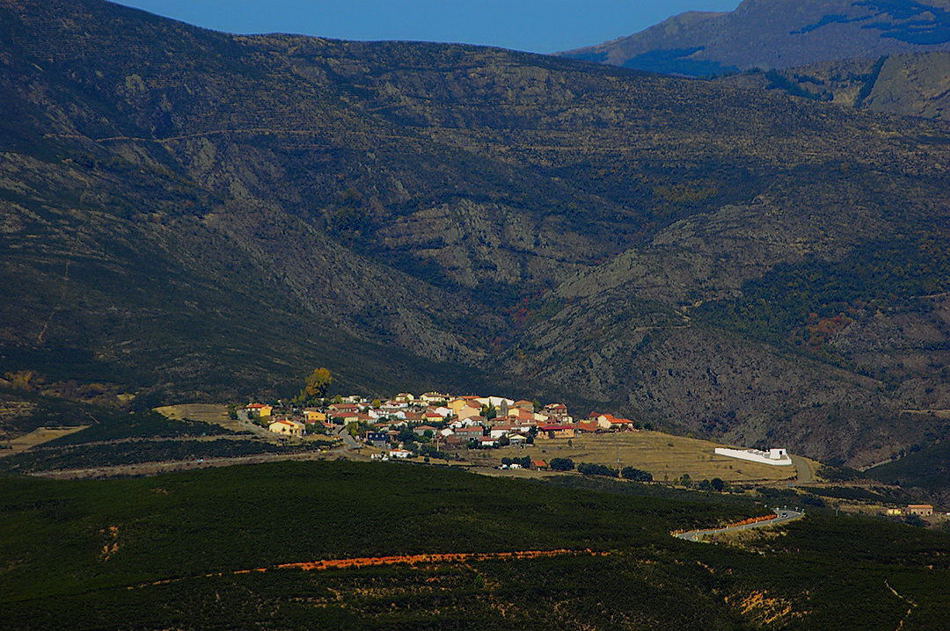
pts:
[194, 215]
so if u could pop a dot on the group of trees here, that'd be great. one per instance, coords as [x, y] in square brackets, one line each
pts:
[716, 484]
[588, 468]
[561, 464]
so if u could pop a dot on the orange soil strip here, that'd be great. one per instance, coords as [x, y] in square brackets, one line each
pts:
[411, 559]
[415, 559]
[753, 520]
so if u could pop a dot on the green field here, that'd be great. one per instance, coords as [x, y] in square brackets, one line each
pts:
[87, 555]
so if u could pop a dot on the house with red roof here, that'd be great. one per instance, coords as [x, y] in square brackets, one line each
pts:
[556, 411]
[556, 431]
[609, 421]
[588, 427]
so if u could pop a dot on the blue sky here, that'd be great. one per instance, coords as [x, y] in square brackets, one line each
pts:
[542, 26]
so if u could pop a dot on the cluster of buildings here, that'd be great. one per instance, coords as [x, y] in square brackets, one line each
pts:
[920, 510]
[446, 421]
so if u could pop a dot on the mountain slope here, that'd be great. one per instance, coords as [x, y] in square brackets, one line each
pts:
[909, 85]
[779, 34]
[193, 214]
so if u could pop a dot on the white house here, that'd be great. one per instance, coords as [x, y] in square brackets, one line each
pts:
[399, 453]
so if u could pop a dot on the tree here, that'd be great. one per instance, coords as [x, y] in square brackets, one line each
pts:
[717, 484]
[489, 411]
[637, 475]
[316, 384]
[685, 480]
[561, 464]
[588, 468]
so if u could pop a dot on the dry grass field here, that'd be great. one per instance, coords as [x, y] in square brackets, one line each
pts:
[38, 437]
[667, 457]
[214, 413]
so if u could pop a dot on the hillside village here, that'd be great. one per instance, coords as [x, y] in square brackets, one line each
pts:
[433, 423]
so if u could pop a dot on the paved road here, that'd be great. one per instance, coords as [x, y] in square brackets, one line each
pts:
[783, 517]
[806, 474]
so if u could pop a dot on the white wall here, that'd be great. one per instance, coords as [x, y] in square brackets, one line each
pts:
[755, 455]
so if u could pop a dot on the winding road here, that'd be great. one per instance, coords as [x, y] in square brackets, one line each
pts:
[782, 516]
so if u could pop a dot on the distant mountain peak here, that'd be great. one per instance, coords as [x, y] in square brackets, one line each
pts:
[778, 34]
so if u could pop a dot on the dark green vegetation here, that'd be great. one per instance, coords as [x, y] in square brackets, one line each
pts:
[189, 215]
[71, 550]
[138, 452]
[587, 468]
[779, 34]
[926, 469]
